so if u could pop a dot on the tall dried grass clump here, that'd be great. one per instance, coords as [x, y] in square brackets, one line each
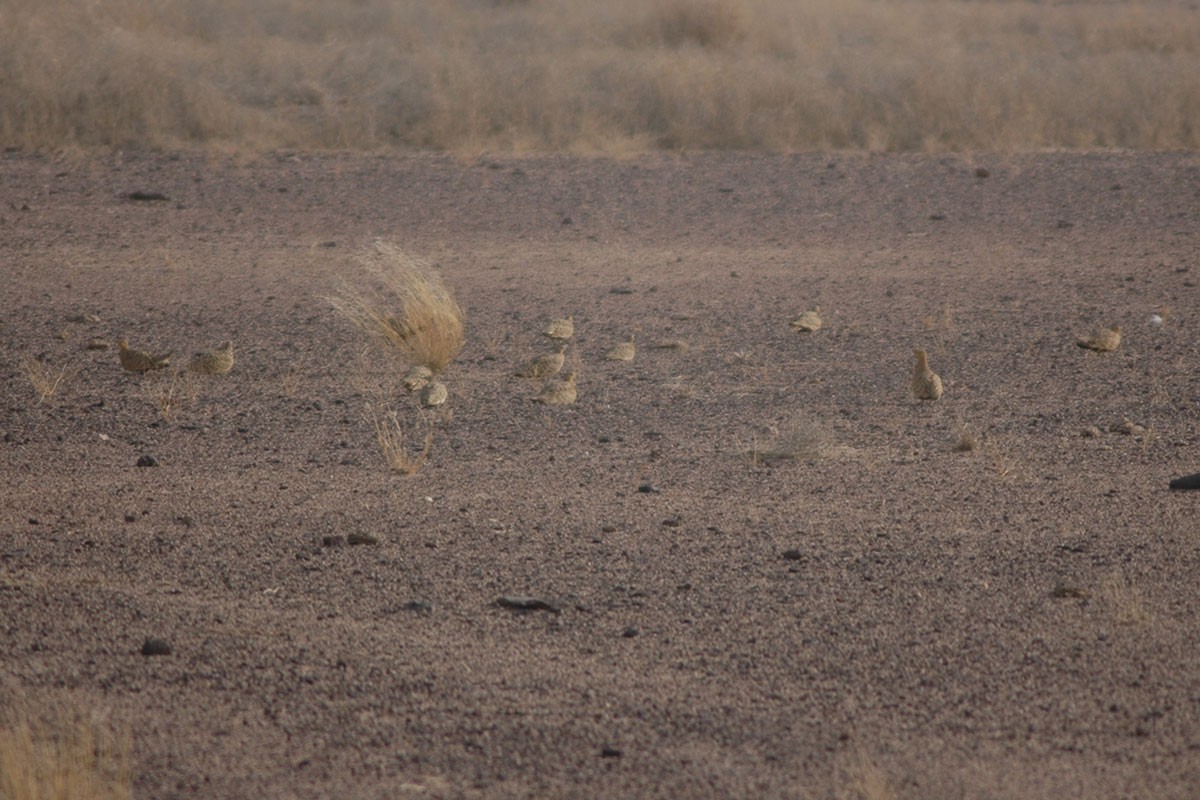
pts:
[414, 313]
[61, 754]
[617, 77]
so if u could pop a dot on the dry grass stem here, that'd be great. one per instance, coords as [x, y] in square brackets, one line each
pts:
[170, 392]
[416, 315]
[62, 754]
[44, 379]
[1123, 599]
[389, 433]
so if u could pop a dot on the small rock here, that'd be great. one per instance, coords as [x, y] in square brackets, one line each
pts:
[97, 344]
[630, 632]
[982, 172]
[519, 603]
[611, 752]
[672, 522]
[147, 461]
[1091, 432]
[793, 555]
[620, 290]
[1186, 482]
[139, 196]
[358, 537]
[649, 488]
[156, 647]
[333, 540]
[418, 606]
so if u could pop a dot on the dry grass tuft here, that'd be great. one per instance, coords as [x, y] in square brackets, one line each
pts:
[419, 318]
[865, 780]
[799, 439]
[389, 432]
[170, 392]
[1123, 599]
[61, 754]
[969, 440]
[43, 378]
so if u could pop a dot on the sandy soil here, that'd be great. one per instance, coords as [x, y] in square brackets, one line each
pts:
[882, 614]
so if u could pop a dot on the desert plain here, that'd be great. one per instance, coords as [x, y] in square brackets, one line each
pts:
[761, 567]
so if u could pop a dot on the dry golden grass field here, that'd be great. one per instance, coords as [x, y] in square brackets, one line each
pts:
[618, 77]
[742, 560]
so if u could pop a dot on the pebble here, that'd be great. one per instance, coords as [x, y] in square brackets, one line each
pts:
[156, 647]
[147, 461]
[611, 752]
[362, 538]
[649, 488]
[333, 540]
[520, 603]
[630, 632]
[1186, 482]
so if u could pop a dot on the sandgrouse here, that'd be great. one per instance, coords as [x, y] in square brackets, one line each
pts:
[417, 377]
[434, 394]
[1102, 341]
[926, 384]
[545, 365]
[561, 328]
[625, 351]
[213, 362]
[809, 321]
[139, 360]
[559, 393]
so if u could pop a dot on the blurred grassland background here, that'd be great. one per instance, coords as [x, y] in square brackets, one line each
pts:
[616, 77]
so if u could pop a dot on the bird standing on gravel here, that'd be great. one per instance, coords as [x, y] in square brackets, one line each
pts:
[625, 351]
[1103, 341]
[213, 362]
[809, 321]
[434, 394]
[926, 384]
[561, 328]
[417, 377]
[545, 365]
[560, 393]
[139, 360]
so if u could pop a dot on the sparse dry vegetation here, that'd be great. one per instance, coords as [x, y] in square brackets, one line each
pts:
[968, 439]
[44, 379]
[170, 392]
[798, 439]
[61, 754]
[613, 77]
[417, 315]
[389, 432]
[1123, 600]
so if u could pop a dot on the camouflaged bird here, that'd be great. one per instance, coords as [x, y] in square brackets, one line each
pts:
[434, 394]
[213, 362]
[139, 360]
[926, 384]
[809, 321]
[417, 377]
[545, 365]
[560, 328]
[625, 351]
[559, 393]
[1103, 341]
